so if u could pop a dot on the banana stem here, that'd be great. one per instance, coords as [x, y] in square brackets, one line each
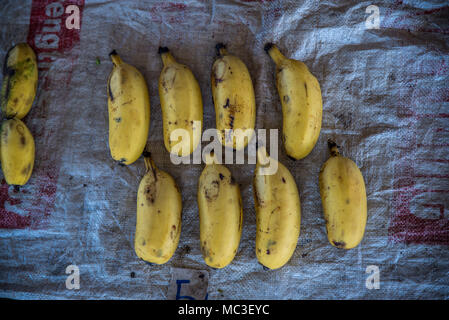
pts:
[333, 148]
[274, 53]
[221, 49]
[149, 164]
[211, 158]
[116, 60]
[166, 56]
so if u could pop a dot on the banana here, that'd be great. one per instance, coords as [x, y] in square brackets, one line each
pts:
[129, 111]
[159, 207]
[301, 101]
[278, 212]
[220, 211]
[343, 196]
[181, 104]
[19, 85]
[16, 152]
[233, 95]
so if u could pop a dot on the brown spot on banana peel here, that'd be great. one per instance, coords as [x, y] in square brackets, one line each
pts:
[150, 192]
[26, 170]
[227, 104]
[212, 193]
[305, 87]
[286, 99]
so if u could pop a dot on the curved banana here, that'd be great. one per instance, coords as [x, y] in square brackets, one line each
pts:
[159, 208]
[220, 211]
[129, 111]
[233, 95]
[20, 76]
[343, 196]
[302, 105]
[16, 152]
[278, 212]
[181, 103]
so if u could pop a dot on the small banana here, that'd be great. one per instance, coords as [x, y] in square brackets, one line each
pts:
[129, 111]
[301, 101]
[343, 196]
[233, 95]
[159, 208]
[16, 152]
[181, 103]
[278, 212]
[220, 211]
[19, 85]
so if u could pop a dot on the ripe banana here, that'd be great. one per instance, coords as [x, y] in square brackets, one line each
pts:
[20, 77]
[233, 95]
[343, 196]
[301, 101]
[129, 111]
[159, 207]
[181, 103]
[278, 212]
[16, 152]
[220, 211]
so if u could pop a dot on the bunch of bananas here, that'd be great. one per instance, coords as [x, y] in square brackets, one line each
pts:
[17, 149]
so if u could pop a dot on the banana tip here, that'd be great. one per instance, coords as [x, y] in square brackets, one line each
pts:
[113, 53]
[162, 50]
[268, 46]
[146, 154]
[219, 46]
[331, 144]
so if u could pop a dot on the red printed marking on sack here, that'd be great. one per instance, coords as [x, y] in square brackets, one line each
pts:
[27, 206]
[420, 171]
[168, 12]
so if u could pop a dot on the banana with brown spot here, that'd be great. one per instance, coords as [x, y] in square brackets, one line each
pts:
[129, 111]
[181, 104]
[302, 105]
[343, 196]
[220, 212]
[20, 77]
[16, 152]
[234, 100]
[159, 209]
[278, 212]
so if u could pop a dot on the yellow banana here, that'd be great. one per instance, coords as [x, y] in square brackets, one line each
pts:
[278, 212]
[233, 95]
[220, 211]
[20, 77]
[301, 101]
[159, 207]
[181, 103]
[129, 111]
[16, 152]
[343, 196]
